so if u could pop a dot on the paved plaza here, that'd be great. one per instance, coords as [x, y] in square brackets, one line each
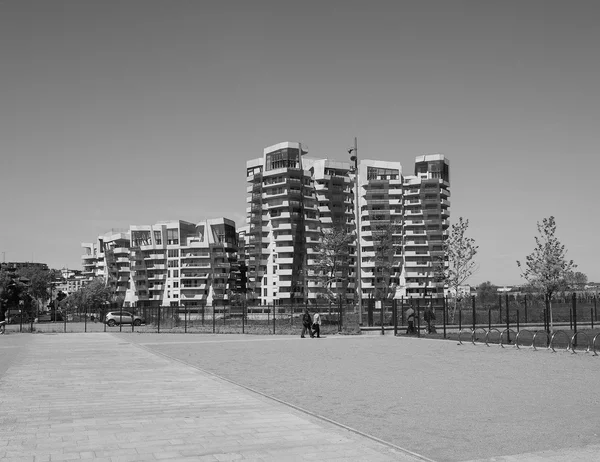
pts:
[144, 397]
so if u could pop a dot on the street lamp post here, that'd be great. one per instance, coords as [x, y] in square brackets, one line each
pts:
[354, 157]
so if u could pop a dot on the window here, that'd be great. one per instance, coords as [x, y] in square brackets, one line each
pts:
[175, 284]
[172, 236]
[158, 237]
[175, 273]
[173, 263]
[264, 292]
[173, 253]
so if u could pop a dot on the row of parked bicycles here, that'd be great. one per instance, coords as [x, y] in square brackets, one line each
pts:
[525, 338]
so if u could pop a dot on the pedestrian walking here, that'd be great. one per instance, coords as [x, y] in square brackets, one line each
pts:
[429, 317]
[306, 324]
[410, 320]
[317, 325]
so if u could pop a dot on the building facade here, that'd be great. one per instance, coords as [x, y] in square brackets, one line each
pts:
[283, 225]
[292, 198]
[426, 223]
[178, 263]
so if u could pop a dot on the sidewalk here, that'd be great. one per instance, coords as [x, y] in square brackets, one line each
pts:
[98, 397]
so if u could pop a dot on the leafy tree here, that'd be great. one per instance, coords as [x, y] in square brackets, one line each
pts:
[40, 280]
[487, 293]
[576, 280]
[93, 297]
[388, 265]
[332, 262]
[457, 264]
[547, 267]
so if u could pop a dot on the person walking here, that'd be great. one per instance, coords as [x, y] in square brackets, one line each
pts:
[317, 325]
[306, 324]
[410, 320]
[429, 317]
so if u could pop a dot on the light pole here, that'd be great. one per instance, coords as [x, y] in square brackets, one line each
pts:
[354, 157]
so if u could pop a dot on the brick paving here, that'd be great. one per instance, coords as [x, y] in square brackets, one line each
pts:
[99, 397]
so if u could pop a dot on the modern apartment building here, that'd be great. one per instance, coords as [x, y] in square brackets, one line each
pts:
[380, 205]
[426, 215]
[292, 197]
[178, 263]
[283, 224]
[108, 258]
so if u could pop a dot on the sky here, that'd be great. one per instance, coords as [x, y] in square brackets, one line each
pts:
[127, 112]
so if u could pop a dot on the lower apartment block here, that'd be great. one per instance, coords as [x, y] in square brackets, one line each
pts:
[170, 263]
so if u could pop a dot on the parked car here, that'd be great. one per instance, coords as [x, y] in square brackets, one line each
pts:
[122, 317]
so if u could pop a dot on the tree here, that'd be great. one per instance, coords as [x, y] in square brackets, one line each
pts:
[457, 264]
[332, 262]
[547, 267]
[487, 293]
[40, 280]
[93, 297]
[388, 264]
[576, 280]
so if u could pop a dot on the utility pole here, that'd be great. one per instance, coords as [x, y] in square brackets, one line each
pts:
[354, 157]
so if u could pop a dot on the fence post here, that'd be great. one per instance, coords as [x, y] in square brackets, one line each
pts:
[395, 315]
[489, 318]
[64, 319]
[525, 301]
[595, 308]
[203, 306]
[592, 317]
[185, 318]
[214, 318]
[547, 314]
[418, 319]
[474, 312]
[507, 319]
[459, 319]
[518, 320]
[159, 319]
[381, 316]
[499, 309]
[274, 318]
[85, 319]
[444, 314]
[571, 317]
[574, 301]
[243, 317]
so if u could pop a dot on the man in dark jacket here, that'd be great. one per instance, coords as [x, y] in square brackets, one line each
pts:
[306, 324]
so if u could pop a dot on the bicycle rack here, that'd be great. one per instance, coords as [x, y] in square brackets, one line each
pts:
[487, 336]
[507, 331]
[594, 344]
[574, 338]
[547, 339]
[517, 338]
[554, 335]
[474, 332]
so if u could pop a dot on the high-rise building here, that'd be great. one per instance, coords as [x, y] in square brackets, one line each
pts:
[292, 198]
[426, 215]
[283, 225]
[380, 204]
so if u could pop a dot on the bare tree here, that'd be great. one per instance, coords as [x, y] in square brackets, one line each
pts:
[457, 264]
[547, 267]
[332, 262]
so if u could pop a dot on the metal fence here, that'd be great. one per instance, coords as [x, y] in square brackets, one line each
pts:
[253, 319]
[510, 312]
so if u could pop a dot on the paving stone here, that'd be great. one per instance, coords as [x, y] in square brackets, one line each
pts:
[100, 398]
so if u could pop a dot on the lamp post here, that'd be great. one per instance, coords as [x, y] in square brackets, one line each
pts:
[354, 157]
